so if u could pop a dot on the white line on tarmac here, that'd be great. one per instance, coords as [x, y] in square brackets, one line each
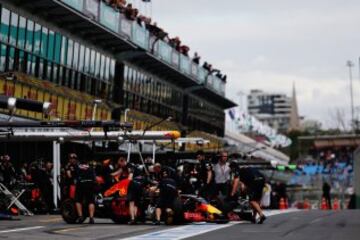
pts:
[21, 229]
[192, 230]
[181, 232]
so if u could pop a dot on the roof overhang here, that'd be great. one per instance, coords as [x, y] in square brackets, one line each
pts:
[158, 67]
[82, 26]
[65, 17]
[215, 98]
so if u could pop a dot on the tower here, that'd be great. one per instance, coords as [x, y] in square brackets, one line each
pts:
[294, 114]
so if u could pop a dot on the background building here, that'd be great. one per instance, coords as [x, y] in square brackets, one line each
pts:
[276, 110]
[72, 52]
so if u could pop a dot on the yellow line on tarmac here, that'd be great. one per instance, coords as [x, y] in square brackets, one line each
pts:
[68, 229]
[51, 220]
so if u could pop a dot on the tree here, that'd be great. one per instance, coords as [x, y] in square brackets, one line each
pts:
[337, 119]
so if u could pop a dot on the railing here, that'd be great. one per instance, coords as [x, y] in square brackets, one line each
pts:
[116, 22]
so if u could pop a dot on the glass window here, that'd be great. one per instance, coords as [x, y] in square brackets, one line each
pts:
[64, 50]
[57, 51]
[87, 60]
[41, 68]
[11, 58]
[70, 52]
[22, 32]
[107, 69]
[55, 73]
[21, 61]
[33, 64]
[97, 65]
[48, 71]
[112, 71]
[44, 42]
[60, 74]
[51, 46]
[29, 36]
[92, 62]
[5, 22]
[37, 38]
[13, 28]
[2, 57]
[102, 66]
[81, 58]
[28, 64]
[76, 55]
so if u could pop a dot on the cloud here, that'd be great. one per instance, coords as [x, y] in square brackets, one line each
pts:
[271, 44]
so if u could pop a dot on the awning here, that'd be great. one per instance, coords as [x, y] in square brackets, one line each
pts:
[337, 143]
[330, 141]
[241, 143]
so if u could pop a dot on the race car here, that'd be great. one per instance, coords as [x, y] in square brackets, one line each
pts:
[113, 204]
[197, 209]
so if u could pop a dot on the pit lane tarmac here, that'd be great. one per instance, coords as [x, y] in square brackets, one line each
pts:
[280, 225]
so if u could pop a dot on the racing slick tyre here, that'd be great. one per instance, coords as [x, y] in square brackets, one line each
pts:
[119, 211]
[220, 219]
[68, 211]
[178, 212]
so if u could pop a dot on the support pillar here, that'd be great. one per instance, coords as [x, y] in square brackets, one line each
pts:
[56, 173]
[357, 177]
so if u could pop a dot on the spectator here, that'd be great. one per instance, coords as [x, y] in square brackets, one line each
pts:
[219, 75]
[117, 4]
[196, 58]
[184, 50]
[207, 66]
[156, 31]
[175, 43]
[130, 12]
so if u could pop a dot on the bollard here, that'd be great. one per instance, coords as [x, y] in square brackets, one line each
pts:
[336, 204]
[282, 205]
[324, 205]
[306, 204]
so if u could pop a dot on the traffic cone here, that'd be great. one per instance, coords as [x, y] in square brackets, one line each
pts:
[336, 204]
[324, 205]
[306, 204]
[282, 205]
[286, 203]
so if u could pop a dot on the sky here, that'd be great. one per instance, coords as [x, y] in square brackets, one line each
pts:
[271, 44]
